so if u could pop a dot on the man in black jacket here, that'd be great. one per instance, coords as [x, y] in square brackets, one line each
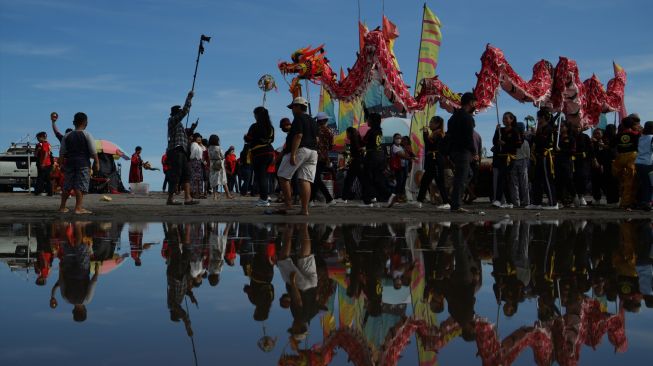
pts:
[461, 134]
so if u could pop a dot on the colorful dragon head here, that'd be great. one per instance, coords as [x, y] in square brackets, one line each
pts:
[307, 63]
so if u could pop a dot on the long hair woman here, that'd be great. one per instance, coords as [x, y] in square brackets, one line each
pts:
[434, 161]
[355, 166]
[196, 167]
[260, 137]
[374, 185]
[217, 172]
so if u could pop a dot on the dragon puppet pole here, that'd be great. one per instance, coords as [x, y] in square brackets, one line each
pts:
[496, 106]
[308, 97]
[200, 51]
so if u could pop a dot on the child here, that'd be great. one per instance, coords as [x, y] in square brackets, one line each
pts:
[43, 165]
[77, 147]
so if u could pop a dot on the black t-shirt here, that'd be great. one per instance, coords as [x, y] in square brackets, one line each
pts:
[374, 139]
[305, 125]
[461, 132]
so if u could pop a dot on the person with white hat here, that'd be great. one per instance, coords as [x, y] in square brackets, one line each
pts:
[300, 155]
[324, 146]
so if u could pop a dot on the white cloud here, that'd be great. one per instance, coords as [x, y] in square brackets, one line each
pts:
[105, 82]
[25, 49]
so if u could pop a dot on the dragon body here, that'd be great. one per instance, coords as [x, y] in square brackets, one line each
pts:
[558, 88]
[560, 339]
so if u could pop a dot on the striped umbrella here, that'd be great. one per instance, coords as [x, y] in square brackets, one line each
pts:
[108, 147]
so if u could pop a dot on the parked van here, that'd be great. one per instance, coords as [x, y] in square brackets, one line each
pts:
[13, 167]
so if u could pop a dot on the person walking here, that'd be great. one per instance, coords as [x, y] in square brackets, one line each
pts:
[583, 157]
[623, 168]
[136, 166]
[399, 159]
[603, 182]
[324, 147]
[434, 162]
[644, 166]
[543, 143]
[177, 154]
[230, 163]
[245, 171]
[374, 182]
[564, 151]
[217, 171]
[463, 150]
[300, 156]
[197, 167]
[506, 141]
[355, 165]
[260, 137]
[519, 188]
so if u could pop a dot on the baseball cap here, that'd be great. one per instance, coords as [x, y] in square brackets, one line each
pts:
[321, 116]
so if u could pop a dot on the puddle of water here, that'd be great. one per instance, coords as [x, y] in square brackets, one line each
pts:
[407, 293]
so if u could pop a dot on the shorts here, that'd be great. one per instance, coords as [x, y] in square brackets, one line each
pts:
[77, 179]
[179, 171]
[306, 162]
[306, 272]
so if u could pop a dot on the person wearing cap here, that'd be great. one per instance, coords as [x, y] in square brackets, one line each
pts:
[460, 128]
[623, 167]
[518, 186]
[178, 152]
[324, 146]
[300, 155]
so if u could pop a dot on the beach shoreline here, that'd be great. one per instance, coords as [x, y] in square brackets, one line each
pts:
[24, 207]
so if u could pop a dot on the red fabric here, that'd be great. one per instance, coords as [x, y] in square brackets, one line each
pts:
[164, 163]
[136, 169]
[43, 154]
[230, 163]
[581, 102]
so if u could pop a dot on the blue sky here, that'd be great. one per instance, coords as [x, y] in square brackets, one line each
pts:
[125, 63]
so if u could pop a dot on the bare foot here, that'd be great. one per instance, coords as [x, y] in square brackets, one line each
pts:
[82, 211]
[63, 210]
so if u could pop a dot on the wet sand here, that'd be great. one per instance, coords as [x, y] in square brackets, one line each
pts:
[23, 207]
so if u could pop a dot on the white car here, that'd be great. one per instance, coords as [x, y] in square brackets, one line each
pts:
[13, 167]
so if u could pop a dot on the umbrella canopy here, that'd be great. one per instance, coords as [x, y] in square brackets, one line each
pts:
[109, 265]
[108, 147]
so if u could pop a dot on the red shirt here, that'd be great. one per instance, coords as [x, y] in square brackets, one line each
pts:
[43, 154]
[230, 163]
[136, 169]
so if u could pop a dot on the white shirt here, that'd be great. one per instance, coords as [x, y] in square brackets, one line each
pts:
[195, 151]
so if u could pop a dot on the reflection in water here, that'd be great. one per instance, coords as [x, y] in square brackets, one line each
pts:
[373, 287]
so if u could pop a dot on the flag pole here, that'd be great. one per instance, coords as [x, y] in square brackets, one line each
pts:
[200, 51]
[421, 35]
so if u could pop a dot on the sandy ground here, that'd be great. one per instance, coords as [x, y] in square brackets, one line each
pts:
[23, 207]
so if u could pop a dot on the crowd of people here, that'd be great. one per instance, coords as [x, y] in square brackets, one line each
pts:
[554, 159]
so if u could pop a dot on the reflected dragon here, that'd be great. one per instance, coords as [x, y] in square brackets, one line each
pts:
[560, 339]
